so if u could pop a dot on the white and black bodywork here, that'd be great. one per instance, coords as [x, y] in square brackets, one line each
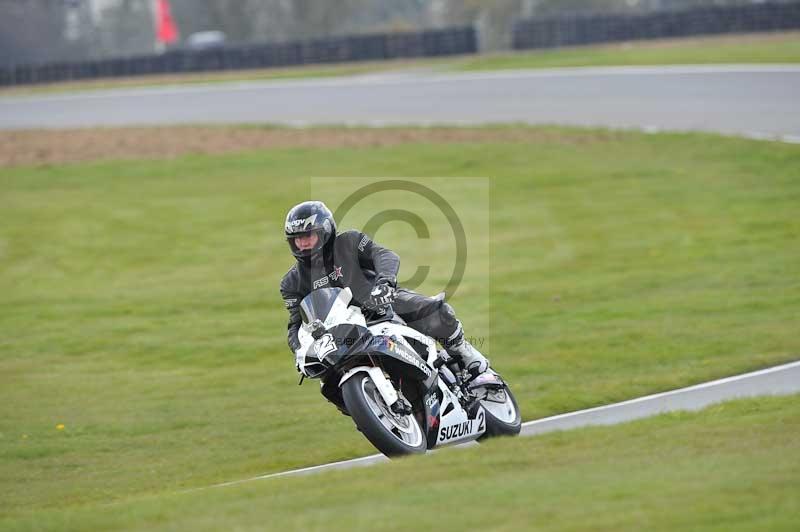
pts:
[403, 394]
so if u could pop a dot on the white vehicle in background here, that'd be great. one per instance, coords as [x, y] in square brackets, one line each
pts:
[403, 395]
[206, 40]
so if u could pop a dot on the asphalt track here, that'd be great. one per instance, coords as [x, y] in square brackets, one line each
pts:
[760, 101]
[779, 380]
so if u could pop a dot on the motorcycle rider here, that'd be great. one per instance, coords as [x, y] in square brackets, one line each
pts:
[351, 259]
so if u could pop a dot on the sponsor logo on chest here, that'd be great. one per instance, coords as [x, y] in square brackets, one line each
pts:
[333, 276]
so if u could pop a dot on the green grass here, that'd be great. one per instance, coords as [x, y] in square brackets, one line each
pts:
[779, 47]
[734, 466]
[140, 309]
[758, 48]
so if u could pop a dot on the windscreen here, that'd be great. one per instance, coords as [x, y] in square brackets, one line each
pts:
[318, 304]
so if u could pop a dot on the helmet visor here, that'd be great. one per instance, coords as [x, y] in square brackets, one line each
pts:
[307, 243]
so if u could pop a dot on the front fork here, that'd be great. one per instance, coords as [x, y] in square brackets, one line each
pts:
[383, 385]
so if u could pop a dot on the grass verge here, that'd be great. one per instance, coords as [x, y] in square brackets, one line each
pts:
[745, 48]
[734, 466]
[229, 76]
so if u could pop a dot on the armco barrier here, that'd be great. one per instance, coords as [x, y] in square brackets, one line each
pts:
[595, 28]
[374, 47]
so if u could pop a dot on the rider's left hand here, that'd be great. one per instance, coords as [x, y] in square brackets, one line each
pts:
[383, 294]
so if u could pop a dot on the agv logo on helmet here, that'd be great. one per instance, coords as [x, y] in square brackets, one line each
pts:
[301, 225]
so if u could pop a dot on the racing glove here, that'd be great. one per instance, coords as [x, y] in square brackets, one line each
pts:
[382, 295]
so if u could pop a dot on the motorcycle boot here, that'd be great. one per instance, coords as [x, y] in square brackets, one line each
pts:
[461, 349]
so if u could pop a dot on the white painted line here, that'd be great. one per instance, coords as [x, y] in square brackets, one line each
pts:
[356, 81]
[752, 135]
[770, 137]
[691, 398]
[345, 464]
[784, 379]
[648, 129]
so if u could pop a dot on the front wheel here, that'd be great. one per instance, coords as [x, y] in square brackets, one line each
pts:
[392, 434]
[502, 412]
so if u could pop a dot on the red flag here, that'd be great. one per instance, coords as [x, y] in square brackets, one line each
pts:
[166, 30]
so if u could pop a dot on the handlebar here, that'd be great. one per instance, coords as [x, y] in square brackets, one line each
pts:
[388, 315]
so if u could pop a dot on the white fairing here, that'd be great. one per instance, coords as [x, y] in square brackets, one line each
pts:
[454, 426]
[401, 332]
[340, 313]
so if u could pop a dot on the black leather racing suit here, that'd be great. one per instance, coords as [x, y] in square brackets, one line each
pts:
[352, 259]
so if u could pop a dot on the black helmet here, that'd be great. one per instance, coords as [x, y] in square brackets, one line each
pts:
[308, 217]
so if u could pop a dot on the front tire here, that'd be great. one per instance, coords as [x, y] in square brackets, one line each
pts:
[392, 434]
[503, 417]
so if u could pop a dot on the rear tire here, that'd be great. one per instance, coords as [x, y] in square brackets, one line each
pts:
[390, 433]
[502, 419]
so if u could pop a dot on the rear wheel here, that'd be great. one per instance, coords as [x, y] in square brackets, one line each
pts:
[392, 434]
[502, 412]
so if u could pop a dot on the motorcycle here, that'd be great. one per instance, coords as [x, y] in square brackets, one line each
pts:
[403, 394]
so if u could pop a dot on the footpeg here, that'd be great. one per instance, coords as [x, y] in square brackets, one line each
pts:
[441, 359]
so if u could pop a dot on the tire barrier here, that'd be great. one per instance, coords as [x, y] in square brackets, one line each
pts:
[571, 30]
[370, 47]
